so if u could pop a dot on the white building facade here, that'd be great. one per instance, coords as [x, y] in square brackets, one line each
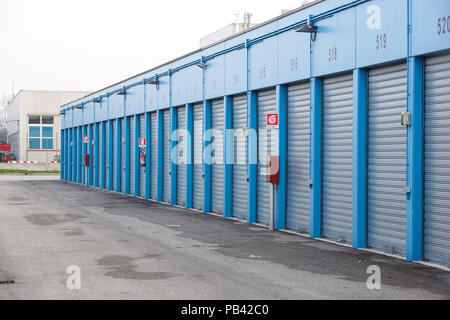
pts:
[33, 124]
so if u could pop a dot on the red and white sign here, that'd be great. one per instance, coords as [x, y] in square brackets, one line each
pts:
[142, 142]
[22, 162]
[272, 120]
[86, 139]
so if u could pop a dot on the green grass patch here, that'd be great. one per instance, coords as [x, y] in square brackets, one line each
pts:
[28, 172]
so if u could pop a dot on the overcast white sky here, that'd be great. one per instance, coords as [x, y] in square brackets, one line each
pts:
[89, 44]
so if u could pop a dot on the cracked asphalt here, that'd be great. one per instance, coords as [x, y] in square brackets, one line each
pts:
[129, 248]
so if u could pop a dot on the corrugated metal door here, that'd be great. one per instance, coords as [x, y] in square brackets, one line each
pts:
[387, 159]
[122, 157]
[142, 183]
[181, 153]
[266, 147]
[132, 154]
[166, 154]
[217, 168]
[240, 182]
[101, 159]
[153, 155]
[297, 210]
[197, 201]
[437, 160]
[108, 145]
[337, 158]
[115, 154]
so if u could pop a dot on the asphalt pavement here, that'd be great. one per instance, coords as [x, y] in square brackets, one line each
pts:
[56, 237]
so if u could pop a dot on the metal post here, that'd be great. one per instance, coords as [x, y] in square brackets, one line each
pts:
[360, 116]
[316, 158]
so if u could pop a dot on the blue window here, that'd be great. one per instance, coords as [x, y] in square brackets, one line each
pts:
[47, 132]
[35, 144]
[35, 131]
[47, 144]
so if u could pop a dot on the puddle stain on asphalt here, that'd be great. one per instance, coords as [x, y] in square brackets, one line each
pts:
[122, 267]
[44, 219]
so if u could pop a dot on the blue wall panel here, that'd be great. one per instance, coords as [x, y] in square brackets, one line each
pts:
[293, 56]
[77, 117]
[116, 106]
[101, 110]
[214, 78]
[179, 87]
[88, 113]
[429, 30]
[163, 93]
[380, 32]
[235, 72]
[334, 49]
[263, 64]
[135, 100]
[194, 84]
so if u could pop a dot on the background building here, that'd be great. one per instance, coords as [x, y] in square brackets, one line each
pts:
[33, 123]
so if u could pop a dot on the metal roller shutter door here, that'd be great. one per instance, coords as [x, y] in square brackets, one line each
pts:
[240, 183]
[298, 192]
[99, 155]
[217, 181]
[153, 155]
[107, 146]
[132, 154]
[142, 183]
[266, 104]
[387, 159]
[197, 202]
[437, 160]
[122, 156]
[115, 154]
[337, 178]
[181, 153]
[166, 154]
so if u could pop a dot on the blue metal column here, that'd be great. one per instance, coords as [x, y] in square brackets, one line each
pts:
[119, 153]
[110, 155]
[62, 157]
[159, 195]
[72, 154]
[228, 146]
[91, 154]
[360, 116]
[137, 166]
[148, 149]
[280, 217]
[252, 152]
[96, 152]
[85, 151]
[189, 154]
[173, 161]
[127, 154]
[415, 162]
[316, 158]
[207, 156]
[103, 151]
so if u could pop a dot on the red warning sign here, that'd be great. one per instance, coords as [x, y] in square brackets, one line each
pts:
[142, 142]
[272, 120]
[86, 139]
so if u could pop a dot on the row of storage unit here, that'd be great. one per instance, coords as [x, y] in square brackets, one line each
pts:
[362, 93]
[116, 157]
